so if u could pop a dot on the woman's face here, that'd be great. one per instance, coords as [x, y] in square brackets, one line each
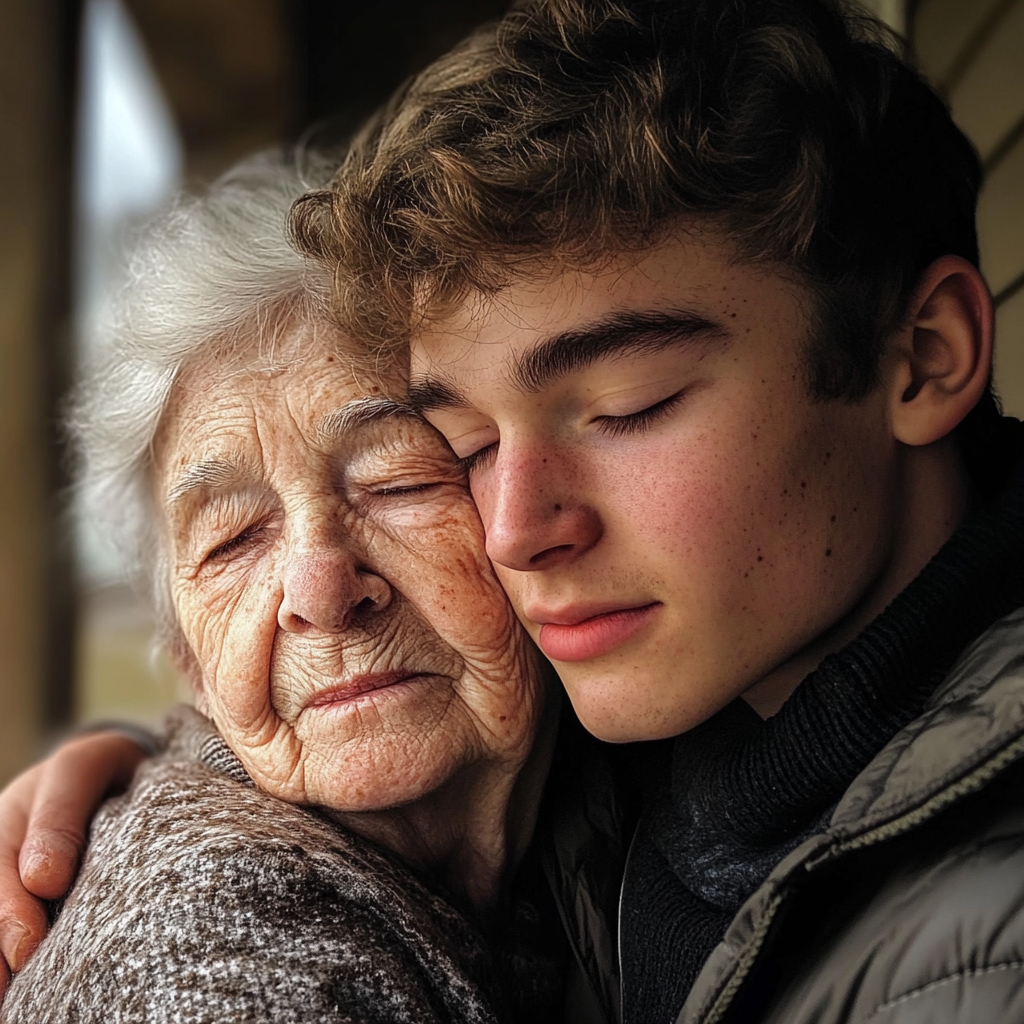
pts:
[329, 575]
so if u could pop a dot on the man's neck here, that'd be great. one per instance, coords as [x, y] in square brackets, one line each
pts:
[934, 497]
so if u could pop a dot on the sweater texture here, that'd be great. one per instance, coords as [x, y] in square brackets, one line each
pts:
[203, 900]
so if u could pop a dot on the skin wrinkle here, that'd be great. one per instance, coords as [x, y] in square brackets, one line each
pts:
[343, 542]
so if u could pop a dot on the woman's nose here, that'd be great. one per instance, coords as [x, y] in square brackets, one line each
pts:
[325, 588]
[534, 518]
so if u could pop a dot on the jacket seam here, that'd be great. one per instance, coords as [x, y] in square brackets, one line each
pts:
[961, 975]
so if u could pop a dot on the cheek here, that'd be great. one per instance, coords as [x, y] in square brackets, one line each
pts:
[231, 625]
[752, 505]
[440, 564]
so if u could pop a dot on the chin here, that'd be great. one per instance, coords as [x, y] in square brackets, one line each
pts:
[620, 720]
[355, 788]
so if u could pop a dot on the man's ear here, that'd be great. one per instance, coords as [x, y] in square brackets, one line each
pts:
[943, 355]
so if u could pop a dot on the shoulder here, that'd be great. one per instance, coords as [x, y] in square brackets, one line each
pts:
[202, 892]
[928, 929]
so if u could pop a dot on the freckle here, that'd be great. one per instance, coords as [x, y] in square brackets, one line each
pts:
[828, 552]
[330, 359]
[833, 519]
[558, 508]
[754, 436]
[501, 718]
[785, 491]
[746, 574]
[760, 558]
[803, 483]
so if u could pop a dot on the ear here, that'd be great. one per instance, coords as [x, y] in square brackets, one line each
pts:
[943, 356]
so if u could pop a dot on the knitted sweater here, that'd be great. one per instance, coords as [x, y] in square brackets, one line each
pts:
[203, 899]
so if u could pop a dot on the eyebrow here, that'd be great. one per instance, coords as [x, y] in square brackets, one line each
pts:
[364, 412]
[200, 476]
[218, 473]
[627, 333]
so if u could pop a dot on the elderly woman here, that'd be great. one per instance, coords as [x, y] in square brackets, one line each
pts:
[348, 813]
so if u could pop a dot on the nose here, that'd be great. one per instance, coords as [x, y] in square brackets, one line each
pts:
[325, 586]
[534, 511]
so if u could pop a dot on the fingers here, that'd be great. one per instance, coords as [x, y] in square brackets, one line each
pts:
[44, 817]
[23, 920]
[72, 784]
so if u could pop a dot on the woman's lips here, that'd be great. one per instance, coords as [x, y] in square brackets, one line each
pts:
[359, 685]
[591, 637]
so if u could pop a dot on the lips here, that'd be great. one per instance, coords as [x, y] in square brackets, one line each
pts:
[591, 636]
[359, 685]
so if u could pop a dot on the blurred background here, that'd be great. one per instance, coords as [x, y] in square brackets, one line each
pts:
[108, 106]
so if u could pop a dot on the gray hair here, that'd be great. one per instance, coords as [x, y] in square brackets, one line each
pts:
[215, 272]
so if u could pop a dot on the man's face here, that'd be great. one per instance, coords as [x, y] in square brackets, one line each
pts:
[671, 514]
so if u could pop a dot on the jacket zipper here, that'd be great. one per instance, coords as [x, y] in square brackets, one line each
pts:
[618, 919]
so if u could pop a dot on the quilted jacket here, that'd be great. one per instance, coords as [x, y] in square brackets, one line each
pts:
[909, 908]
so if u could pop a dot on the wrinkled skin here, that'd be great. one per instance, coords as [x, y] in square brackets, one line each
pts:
[307, 555]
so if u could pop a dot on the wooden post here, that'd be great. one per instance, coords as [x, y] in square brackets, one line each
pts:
[36, 586]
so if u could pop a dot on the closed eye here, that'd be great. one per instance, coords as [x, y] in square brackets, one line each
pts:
[637, 422]
[232, 545]
[400, 491]
[478, 459]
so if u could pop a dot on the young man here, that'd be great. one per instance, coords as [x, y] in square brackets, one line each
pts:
[692, 287]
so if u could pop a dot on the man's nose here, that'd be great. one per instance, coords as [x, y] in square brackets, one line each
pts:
[535, 513]
[325, 586]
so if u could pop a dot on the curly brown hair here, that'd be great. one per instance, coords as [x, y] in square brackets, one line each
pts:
[572, 129]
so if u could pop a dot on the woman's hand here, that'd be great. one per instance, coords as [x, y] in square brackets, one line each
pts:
[44, 815]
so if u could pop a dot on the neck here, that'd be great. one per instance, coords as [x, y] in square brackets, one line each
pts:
[470, 833]
[934, 497]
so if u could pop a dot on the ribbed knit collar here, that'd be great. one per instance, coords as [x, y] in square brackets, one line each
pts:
[744, 792]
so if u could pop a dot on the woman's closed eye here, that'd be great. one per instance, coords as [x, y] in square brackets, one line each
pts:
[413, 488]
[233, 545]
[405, 490]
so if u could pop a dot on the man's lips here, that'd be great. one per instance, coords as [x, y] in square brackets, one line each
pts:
[572, 637]
[359, 685]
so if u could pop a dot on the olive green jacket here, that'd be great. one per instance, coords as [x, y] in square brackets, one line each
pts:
[910, 906]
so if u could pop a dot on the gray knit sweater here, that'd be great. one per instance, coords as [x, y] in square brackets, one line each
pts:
[203, 899]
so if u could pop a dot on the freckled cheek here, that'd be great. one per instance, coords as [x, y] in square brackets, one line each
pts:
[695, 499]
[445, 551]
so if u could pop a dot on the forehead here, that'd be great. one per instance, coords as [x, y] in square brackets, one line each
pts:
[302, 391]
[693, 273]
